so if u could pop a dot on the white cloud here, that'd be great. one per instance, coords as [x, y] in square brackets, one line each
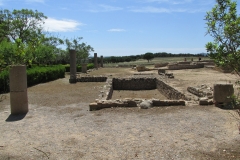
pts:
[116, 30]
[105, 8]
[66, 25]
[170, 1]
[156, 10]
[33, 1]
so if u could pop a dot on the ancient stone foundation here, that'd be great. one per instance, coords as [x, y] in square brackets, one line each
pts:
[169, 91]
[184, 66]
[128, 102]
[134, 83]
[177, 98]
[160, 65]
[91, 79]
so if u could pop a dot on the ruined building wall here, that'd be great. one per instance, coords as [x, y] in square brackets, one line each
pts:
[185, 66]
[134, 84]
[169, 91]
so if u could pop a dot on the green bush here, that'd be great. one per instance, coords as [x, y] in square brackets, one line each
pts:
[35, 75]
[90, 66]
[4, 81]
[79, 67]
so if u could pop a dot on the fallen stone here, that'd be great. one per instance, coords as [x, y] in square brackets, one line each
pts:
[203, 101]
[146, 104]
[210, 102]
[93, 106]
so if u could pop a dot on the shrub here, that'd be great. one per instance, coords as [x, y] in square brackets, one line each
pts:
[79, 67]
[4, 81]
[35, 75]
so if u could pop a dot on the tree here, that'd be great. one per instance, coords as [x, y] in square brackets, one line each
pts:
[148, 56]
[46, 51]
[223, 24]
[82, 49]
[21, 24]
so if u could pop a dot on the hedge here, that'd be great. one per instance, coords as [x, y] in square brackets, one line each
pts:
[35, 75]
[79, 67]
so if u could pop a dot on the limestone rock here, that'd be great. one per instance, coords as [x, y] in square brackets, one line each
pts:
[203, 101]
[146, 104]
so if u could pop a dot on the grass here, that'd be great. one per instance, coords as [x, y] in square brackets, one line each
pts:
[155, 61]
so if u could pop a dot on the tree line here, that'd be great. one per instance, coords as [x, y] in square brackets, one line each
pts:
[24, 41]
[147, 56]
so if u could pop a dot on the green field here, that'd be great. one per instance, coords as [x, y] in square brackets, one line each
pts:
[155, 61]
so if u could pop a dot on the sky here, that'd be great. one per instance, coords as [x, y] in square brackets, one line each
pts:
[126, 27]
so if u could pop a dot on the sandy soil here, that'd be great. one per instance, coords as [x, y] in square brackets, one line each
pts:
[60, 126]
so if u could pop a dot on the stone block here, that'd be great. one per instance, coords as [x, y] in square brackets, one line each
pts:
[94, 106]
[203, 101]
[132, 103]
[221, 92]
[210, 102]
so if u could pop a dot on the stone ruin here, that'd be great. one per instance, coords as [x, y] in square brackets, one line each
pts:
[220, 94]
[207, 96]
[148, 83]
[204, 94]
[162, 72]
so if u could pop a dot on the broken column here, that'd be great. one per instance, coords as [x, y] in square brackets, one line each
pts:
[222, 93]
[18, 89]
[73, 67]
[95, 61]
[101, 61]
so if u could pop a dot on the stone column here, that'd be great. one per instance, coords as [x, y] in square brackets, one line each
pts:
[84, 68]
[18, 89]
[73, 68]
[95, 61]
[101, 61]
[222, 92]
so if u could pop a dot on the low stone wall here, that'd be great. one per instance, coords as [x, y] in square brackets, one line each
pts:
[184, 62]
[91, 79]
[134, 83]
[184, 66]
[107, 91]
[169, 91]
[200, 92]
[128, 102]
[160, 65]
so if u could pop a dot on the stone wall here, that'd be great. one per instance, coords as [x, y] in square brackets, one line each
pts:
[134, 83]
[200, 91]
[91, 79]
[184, 62]
[169, 91]
[184, 66]
[128, 102]
[160, 65]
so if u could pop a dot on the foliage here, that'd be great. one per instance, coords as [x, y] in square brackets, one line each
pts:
[79, 67]
[46, 51]
[21, 24]
[82, 49]
[13, 53]
[35, 75]
[223, 25]
[4, 81]
[148, 56]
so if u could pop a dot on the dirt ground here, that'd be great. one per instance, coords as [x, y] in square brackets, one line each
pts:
[59, 124]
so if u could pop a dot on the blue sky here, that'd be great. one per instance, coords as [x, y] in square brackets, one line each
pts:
[126, 27]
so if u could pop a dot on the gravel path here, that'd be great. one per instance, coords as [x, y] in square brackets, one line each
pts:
[59, 126]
